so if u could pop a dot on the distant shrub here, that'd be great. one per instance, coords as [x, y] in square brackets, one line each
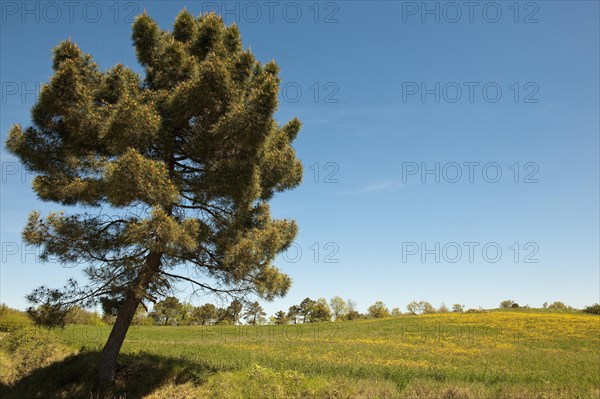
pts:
[33, 347]
[458, 308]
[557, 305]
[12, 319]
[480, 310]
[378, 310]
[421, 307]
[413, 307]
[426, 307]
[77, 315]
[353, 315]
[396, 312]
[48, 316]
[443, 308]
[592, 309]
[507, 304]
[514, 306]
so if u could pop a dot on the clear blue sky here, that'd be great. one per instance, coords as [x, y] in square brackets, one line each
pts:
[371, 133]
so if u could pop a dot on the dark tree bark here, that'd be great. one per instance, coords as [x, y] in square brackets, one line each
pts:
[108, 358]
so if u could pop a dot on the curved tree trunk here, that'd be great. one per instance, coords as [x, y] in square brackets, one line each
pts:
[108, 357]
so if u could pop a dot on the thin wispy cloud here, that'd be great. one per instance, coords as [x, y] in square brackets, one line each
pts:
[380, 187]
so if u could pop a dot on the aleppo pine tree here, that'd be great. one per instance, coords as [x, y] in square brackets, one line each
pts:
[183, 160]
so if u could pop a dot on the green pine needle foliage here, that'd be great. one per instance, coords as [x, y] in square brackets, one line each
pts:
[179, 162]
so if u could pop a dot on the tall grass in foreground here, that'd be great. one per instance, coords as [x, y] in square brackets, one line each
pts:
[499, 354]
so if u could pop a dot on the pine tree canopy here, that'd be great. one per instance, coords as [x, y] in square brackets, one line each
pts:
[182, 160]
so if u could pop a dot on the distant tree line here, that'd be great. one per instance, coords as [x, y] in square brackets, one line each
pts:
[172, 312]
[557, 305]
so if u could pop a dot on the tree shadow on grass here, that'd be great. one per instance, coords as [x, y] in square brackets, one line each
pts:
[74, 377]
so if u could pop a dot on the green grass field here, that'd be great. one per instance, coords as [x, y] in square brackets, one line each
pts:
[500, 354]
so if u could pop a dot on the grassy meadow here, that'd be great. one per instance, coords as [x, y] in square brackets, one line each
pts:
[495, 354]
